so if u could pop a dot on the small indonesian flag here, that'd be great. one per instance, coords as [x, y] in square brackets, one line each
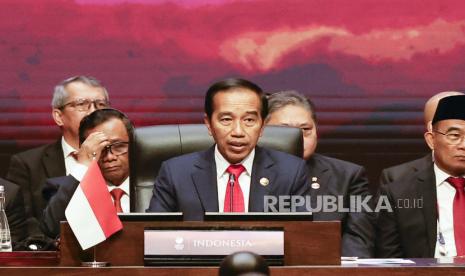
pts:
[90, 212]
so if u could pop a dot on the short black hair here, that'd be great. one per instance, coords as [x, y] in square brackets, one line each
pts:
[232, 83]
[100, 116]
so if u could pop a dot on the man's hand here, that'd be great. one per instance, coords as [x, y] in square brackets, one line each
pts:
[92, 147]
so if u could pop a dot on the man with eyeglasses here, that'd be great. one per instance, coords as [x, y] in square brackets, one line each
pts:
[428, 208]
[396, 172]
[73, 99]
[328, 176]
[105, 135]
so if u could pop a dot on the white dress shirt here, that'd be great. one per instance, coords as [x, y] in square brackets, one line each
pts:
[222, 178]
[125, 197]
[78, 172]
[445, 194]
[70, 161]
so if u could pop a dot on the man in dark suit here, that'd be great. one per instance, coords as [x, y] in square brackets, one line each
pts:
[328, 176]
[396, 172]
[105, 135]
[235, 174]
[73, 99]
[428, 207]
[14, 209]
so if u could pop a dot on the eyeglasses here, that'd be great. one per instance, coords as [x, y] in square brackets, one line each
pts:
[84, 104]
[453, 138]
[118, 148]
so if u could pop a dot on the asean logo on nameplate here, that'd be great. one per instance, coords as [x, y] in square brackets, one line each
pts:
[90, 212]
[179, 243]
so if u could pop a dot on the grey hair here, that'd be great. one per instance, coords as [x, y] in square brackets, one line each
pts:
[60, 95]
[281, 99]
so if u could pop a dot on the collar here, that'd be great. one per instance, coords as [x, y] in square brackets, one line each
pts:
[124, 186]
[67, 149]
[222, 164]
[441, 176]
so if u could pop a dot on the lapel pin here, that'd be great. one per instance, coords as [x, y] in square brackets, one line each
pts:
[315, 186]
[314, 178]
[264, 181]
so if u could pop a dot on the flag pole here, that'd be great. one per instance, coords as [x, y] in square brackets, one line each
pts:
[94, 263]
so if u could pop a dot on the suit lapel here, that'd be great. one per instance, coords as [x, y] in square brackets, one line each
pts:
[426, 184]
[53, 160]
[319, 179]
[320, 174]
[204, 179]
[261, 169]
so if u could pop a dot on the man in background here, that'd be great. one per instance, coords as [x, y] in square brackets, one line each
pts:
[73, 99]
[105, 135]
[396, 172]
[328, 176]
[428, 206]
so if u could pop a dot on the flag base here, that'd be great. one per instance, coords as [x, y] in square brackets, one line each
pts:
[94, 264]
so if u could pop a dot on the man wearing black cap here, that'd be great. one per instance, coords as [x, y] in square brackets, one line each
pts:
[428, 208]
[393, 173]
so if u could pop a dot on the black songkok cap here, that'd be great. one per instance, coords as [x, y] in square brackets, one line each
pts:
[452, 107]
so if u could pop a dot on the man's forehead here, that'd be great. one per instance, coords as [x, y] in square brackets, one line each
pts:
[293, 114]
[236, 102]
[451, 124]
[114, 128]
[236, 92]
[79, 89]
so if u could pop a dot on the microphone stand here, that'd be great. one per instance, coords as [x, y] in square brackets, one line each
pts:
[231, 194]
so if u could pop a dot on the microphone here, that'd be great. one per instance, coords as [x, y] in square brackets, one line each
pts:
[231, 194]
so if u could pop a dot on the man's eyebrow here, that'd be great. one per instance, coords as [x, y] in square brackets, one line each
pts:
[224, 113]
[254, 112]
[116, 140]
[454, 129]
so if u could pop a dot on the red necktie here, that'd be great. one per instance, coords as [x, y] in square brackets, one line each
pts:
[237, 196]
[459, 213]
[117, 193]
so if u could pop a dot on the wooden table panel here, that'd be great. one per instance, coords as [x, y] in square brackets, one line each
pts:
[213, 271]
[306, 243]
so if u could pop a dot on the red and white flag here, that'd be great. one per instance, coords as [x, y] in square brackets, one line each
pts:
[90, 212]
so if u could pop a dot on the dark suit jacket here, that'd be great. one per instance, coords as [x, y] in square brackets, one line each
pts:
[409, 232]
[394, 173]
[61, 189]
[341, 178]
[65, 187]
[30, 169]
[188, 183]
[14, 209]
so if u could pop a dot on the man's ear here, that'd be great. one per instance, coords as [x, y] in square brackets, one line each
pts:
[429, 126]
[429, 138]
[206, 120]
[56, 114]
